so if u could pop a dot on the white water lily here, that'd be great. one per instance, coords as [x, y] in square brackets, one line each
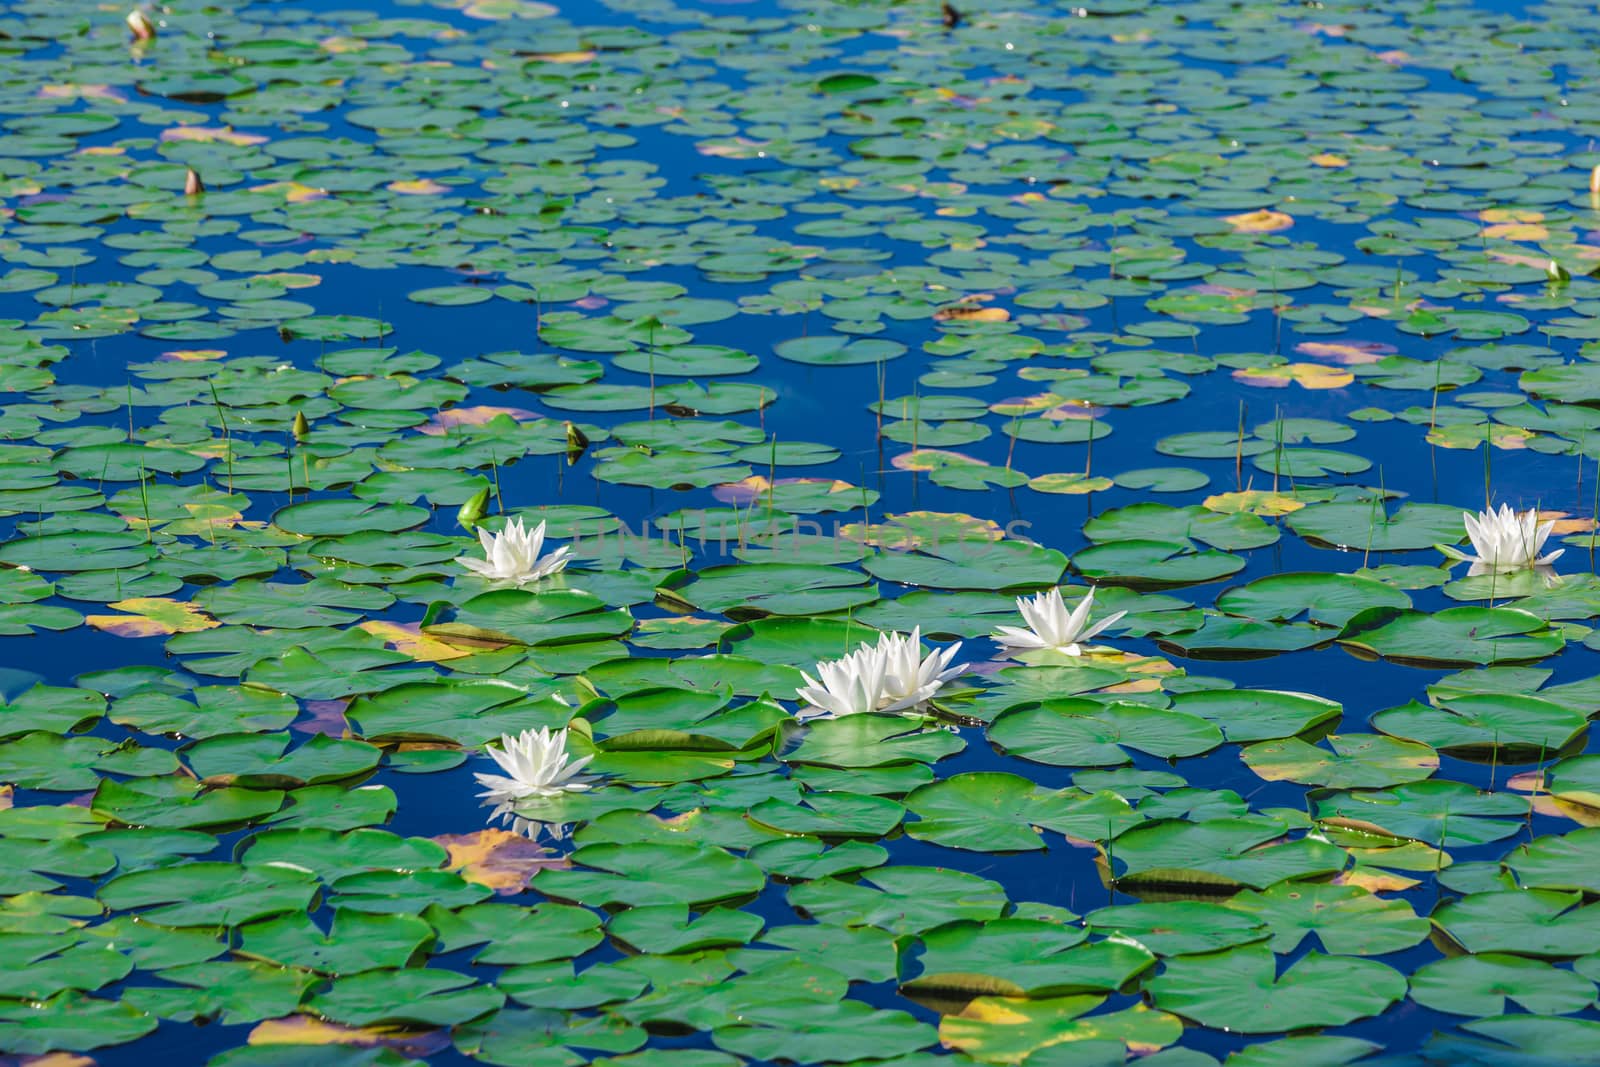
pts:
[1051, 626]
[1506, 540]
[850, 685]
[513, 555]
[537, 764]
[911, 679]
[891, 676]
[140, 25]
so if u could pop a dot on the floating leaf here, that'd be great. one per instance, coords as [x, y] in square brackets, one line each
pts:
[1087, 733]
[1022, 957]
[1481, 985]
[901, 899]
[1463, 635]
[1349, 761]
[1524, 922]
[1006, 1030]
[1346, 920]
[1239, 988]
[1217, 855]
[990, 812]
[152, 617]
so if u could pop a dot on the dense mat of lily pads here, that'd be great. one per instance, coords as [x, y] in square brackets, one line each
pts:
[491, 495]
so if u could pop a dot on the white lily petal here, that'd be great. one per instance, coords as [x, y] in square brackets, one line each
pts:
[537, 764]
[1104, 624]
[1505, 540]
[1016, 637]
[1051, 626]
[513, 554]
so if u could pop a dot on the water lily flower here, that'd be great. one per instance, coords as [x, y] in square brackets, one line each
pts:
[140, 26]
[513, 555]
[850, 685]
[891, 676]
[537, 764]
[1051, 626]
[911, 679]
[1506, 540]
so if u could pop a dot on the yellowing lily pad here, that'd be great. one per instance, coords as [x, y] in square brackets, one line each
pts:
[194, 355]
[473, 415]
[1468, 435]
[1263, 221]
[409, 639]
[417, 187]
[500, 859]
[212, 134]
[1010, 1030]
[1252, 502]
[1305, 375]
[1345, 352]
[1069, 483]
[308, 1030]
[152, 617]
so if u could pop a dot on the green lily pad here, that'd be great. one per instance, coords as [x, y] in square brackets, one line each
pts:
[1239, 988]
[1440, 813]
[1524, 922]
[986, 811]
[1245, 715]
[1154, 564]
[1216, 856]
[1179, 927]
[651, 874]
[418, 996]
[822, 1033]
[1346, 920]
[1022, 958]
[181, 804]
[211, 893]
[1330, 599]
[1084, 733]
[972, 565]
[1553, 861]
[829, 815]
[1480, 722]
[357, 941]
[1371, 528]
[829, 351]
[667, 928]
[1350, 761]
[1453, 636]
[901, 899]
[1481, 985]
[70, 1020]
[858, 741]
[1158, 522]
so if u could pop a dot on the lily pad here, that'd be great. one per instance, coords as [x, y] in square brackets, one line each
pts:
[1239, 988]
[1085, 733]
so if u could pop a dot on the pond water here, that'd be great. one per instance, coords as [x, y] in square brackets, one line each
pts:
[798, 323]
